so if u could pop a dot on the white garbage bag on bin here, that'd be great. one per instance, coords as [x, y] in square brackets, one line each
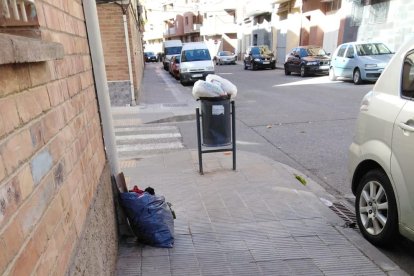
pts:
[228, 87]
[206, 89]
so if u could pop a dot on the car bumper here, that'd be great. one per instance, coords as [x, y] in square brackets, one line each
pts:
[194, 76]
[371, 74]
[261, 64]
[317, 70]
[227, 61]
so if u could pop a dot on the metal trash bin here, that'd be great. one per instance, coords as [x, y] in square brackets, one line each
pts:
[216, 121]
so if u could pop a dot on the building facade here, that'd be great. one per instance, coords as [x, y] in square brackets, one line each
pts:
[121, 25]
[56, 201]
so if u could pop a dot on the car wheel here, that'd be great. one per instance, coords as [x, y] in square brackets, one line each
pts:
[376, 208]
[302, 71]
[357, 77]
[332, 76]
[287, 72]
[273, 67]
[254, 66]
[182, 81]
[245, 66]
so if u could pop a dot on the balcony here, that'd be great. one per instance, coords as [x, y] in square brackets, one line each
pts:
[194, 28]
[170, 32]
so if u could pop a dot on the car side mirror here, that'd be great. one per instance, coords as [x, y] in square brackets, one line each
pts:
[297, 55]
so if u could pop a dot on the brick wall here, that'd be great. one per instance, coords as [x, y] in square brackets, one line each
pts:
[52, 155]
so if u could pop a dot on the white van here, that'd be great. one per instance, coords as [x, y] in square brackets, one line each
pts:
[170, 48]
[196, 62]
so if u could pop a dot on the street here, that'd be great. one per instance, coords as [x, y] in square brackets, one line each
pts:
[305, 123]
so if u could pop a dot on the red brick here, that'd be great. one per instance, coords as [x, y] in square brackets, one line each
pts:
[2, 169]
[40, 73]
[35, 206]
[13, 238]
[9, 117]
[52, 123]
[27, 260]
[62, 68]
[36, 133]
[64, 87]
[8, 80]
[56, 94]
[3, 257]
[65, 252]
[22, 72]
[41, 96]
[25, 180]
[17, 149]
[48, 259]
[52, 217]
[74, 85]
[27, 106]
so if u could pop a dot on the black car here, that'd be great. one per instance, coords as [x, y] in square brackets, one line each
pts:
[257, 57]
[307, 60]
[150, 57]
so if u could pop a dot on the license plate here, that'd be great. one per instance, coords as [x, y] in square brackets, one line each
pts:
[324, 67]
[266, 62]
[197, 75]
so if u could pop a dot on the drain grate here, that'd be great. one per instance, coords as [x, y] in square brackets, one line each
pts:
[344, 213]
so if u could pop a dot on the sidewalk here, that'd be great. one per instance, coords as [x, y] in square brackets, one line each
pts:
[257, 220]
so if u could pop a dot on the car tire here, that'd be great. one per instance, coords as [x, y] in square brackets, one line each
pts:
[287, 72]
[302, 71]
[332, 76]
[273, 67]
[357, 76]
[245, 66]
[184, 83]
[254, 66]
[376, 208]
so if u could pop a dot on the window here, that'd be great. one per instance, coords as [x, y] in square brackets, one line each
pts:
[186, 20]
[378, 13]
[333, 5]
[408, 77]
[341, 51]
[19, 17]
[350, 53]
[357, 12]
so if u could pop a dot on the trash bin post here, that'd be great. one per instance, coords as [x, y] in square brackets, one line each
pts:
[233, 133]
[200, 157]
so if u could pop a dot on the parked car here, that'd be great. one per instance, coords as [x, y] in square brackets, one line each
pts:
[381, 155]
[171, 63]
[225, 57]
[150, 57]
[175, 66]
[195, 63]
[359, 61]
[258, 57]
[307, 60]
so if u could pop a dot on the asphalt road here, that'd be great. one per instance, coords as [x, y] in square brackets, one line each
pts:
[306, 123]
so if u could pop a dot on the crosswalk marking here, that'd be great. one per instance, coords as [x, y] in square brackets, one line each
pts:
[147, 136]
[148, 147]
[144, 128]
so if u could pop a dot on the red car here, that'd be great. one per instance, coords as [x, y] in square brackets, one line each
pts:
[175, 67]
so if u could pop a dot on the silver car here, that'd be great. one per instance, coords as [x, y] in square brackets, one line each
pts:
[381, 155]
[225, 57]
[360, 61]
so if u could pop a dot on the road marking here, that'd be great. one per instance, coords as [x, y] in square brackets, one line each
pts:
[316, 80]
[147, 136]
[225, 74]
[144, 128]
[147, 147]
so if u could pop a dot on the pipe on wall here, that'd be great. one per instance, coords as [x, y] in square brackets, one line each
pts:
[101, 82]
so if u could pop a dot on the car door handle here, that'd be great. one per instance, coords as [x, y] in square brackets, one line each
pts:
[407, 126]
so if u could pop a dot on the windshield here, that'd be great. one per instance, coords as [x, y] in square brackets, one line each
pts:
[195, 55]
[315, 51]
[225, 53]
[369, 49]
[173, 50]
[261, 50]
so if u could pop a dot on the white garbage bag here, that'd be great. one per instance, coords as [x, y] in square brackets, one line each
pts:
[206, 89]
[228, 87]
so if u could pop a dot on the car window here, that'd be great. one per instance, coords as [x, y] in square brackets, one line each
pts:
[408, 77]
[195, 55]
[341, 51]
[225, 53]
[369, 49]
[261, 50]
[303, 52]
[315, 51]
[350, 52]
[172, 50]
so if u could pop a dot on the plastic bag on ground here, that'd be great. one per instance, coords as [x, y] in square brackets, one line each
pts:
[203, 89]
[228, 87]
[150, 218]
